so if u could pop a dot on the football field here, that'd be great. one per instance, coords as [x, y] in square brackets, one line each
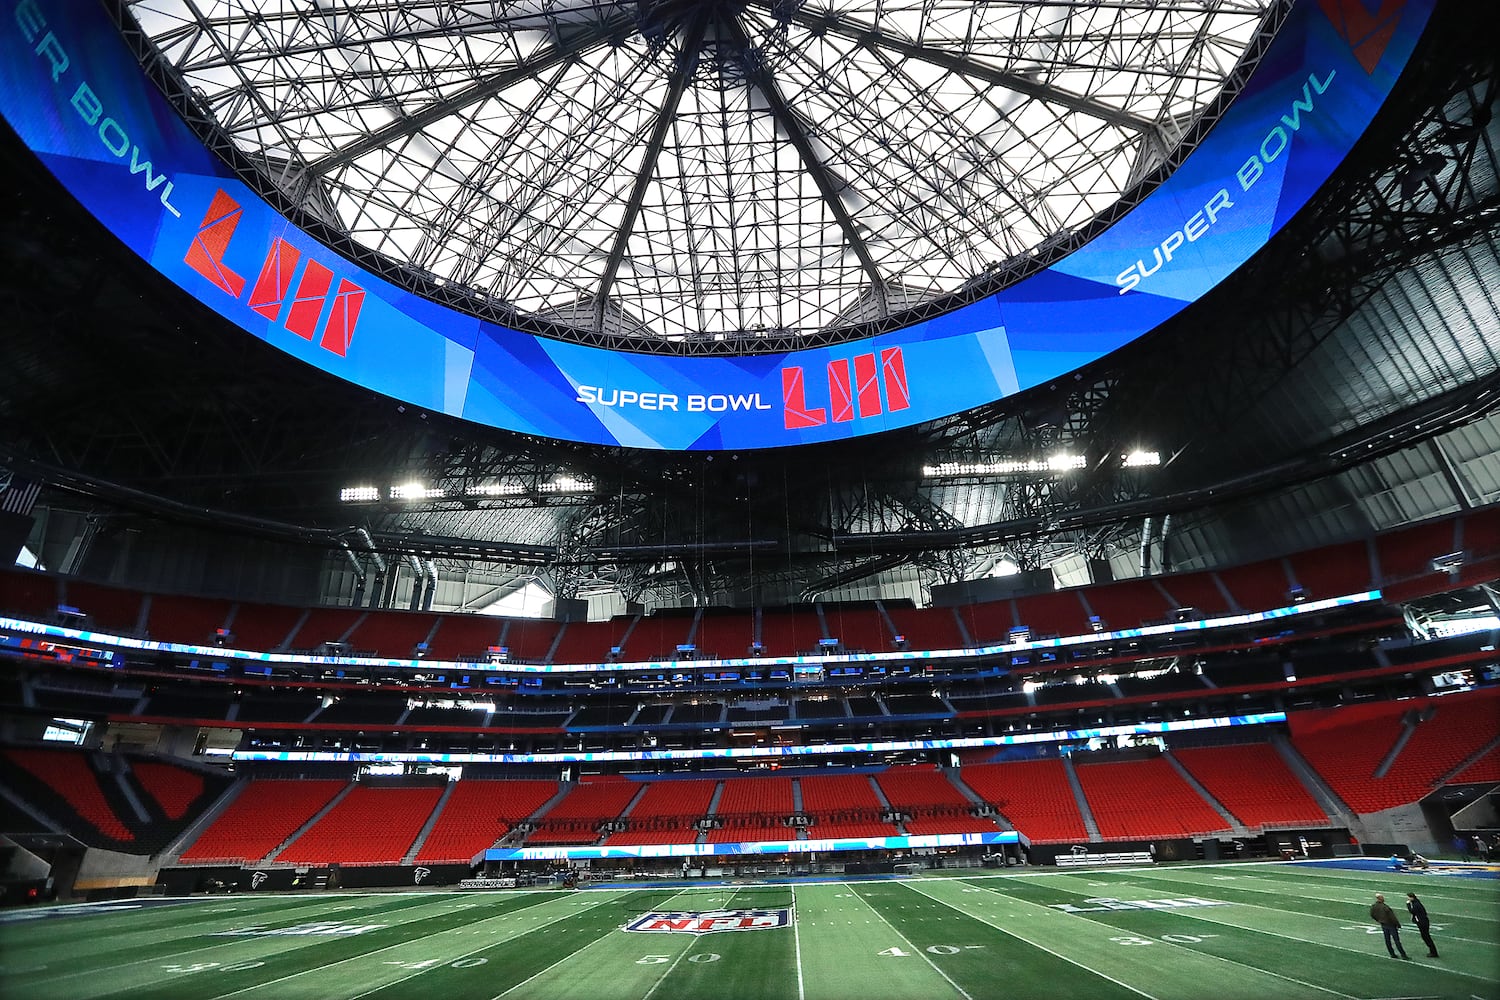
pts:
[1258, 932]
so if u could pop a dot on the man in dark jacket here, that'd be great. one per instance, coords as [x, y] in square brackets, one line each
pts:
[1389, 925]
[1419, 917]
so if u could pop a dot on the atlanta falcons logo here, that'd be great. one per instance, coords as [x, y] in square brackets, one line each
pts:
[419, 874]
[256, 878]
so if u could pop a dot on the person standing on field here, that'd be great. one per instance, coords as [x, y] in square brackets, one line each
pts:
[1389, 925]
[1419, 917]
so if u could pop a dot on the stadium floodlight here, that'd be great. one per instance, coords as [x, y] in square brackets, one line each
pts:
[567, 484]
[1140, 459]
[359, 494]
[1061, 462]
[1064, 462]
[416, 491]
[494, 490]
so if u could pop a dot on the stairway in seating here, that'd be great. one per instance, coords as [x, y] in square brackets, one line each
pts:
[1082, 801]
[1230, 820]
[1337, 811]
[173, 851]
[311, 822]
[416, 845]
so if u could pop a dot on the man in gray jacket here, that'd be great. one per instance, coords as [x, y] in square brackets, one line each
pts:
[1389, 925]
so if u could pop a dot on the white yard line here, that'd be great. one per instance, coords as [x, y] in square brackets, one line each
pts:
[367, 954]
[797, 943]
[915, 950]
[1007, 931]
[560, 961]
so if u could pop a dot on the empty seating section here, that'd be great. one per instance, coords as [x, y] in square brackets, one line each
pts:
[1060, 613]
[829, 793]
[1486, 769]
[1257, 586]
[189, 702]
[466, 719]
[324, 625]
[927, 628]
[1034, 795]
[666, 813]
[477, 814]
[1346, 745]
[601, 713]
[1144, 799]
[678, 800]
[261, 817]
[1195, 590]
[373, 709]
[109, 609]
[464, 636]
[753, 809]
[820, 708]
[173, 788]
[787, 633]
[922, 791]
[191, 620]
[1333, 571]
[577, 818]
[989, 622]
[749, 829]
[529, 639]
[1459, 727]
[916, 704]
[1128, 604]
[726, 635]
[1404, 556]
[67, 775]
[1253, 782]
[858, 628]
[843, 805]
[266, 706]
[697, 713]
[931, 803]
[369, 826]
[27, 593]
[590, 642]
[657, 637]
[392, 634]
[263, 626]
[1409, 552]
[1481, 533]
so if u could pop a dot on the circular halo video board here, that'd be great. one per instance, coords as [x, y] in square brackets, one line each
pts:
[75, 94]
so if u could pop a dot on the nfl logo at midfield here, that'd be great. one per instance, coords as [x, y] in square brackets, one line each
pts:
[709, 921]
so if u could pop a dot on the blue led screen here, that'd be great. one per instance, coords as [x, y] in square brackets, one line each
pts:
[75, 94]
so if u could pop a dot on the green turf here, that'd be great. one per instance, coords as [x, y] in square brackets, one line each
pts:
[1273, 931]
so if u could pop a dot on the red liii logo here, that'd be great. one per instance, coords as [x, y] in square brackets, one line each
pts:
[273, 289]
[854, 384]
[1367, 32]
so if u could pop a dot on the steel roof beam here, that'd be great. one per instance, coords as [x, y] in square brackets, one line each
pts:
[761, 78]
[682, 75]
[469, 96]
[873, 39]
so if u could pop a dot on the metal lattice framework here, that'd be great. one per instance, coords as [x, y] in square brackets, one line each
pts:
[672, 174]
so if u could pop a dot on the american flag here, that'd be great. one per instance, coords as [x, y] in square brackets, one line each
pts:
[17, 495]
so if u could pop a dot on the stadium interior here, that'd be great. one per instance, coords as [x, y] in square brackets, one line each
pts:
[1227, 591]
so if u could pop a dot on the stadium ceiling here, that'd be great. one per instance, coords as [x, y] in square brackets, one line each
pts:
[666, 173]
[1351, 382]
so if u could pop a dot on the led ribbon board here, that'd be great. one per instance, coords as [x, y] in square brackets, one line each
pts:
[75, 94]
